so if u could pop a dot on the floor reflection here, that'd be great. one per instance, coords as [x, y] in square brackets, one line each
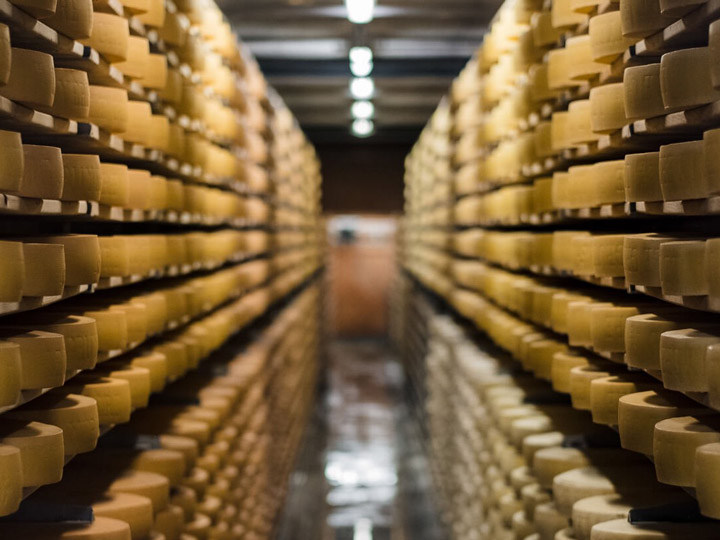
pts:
[361, 474]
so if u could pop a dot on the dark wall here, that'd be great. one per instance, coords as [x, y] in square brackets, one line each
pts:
[363, 178]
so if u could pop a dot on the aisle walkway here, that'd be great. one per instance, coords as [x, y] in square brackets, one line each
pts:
[361, 474]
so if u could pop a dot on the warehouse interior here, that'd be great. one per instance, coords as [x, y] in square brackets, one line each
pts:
[359, 269]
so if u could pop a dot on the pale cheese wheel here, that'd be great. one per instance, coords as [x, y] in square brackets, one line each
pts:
[45, 269]
[32, 78]
[43, 357]
[113, 396]
[82, 177]
[558, 74]
[682, 268]
[681, 171]
[41, 450]
[139, 188]
[82, 256]
[678, 8]
[639, 412]
[607, 255]
[72, 94]
[12, 267]
[710, 176]
[43, 173]
[138, 57]
[642, 177]
[156, 72]
[110, 36]
[80, 333]
[607, 108]
[5, 54]
[139, 117]
[606, 391]
[642, 339]
[675, 441]
[583, 66]
[563, 362]
[76, 415]
[548, 521]
[11, 368]
[607, 327]
[12, 158]
[73, 18]
[606, 37]
[108, 108]
[99, 529]
[609, 182]
[642, 18]
[682, 359]
[714, 44]
[11, 473]
[154, 16]
[581, 378]
[643, 95]
[685, 78]
[542, 29]
[114, 184]
[563, 15]
[579, 126]
[138, 379]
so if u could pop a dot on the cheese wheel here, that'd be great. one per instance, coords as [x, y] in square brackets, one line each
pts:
[685, 78]
[579, 124]
[113, 396]
[682, 359]
[563, 15]
[41, 450]
[558, 70]
[548, 521]
[642, 177]
[710, 147]
[642, 18]
[72, 18]
[642, 92]
[642, 339]
[583, 67]
[139, 189]
[641, 259]
[76, 415]
[138, 58]
[113, 184]
[675, 441]
[5, 54]
[12, 267]
[607, 108]
[185, 498]
[562, 364]
[609, 182]
[43, 173]
[45, 269]
[607, 255]
[170, 522]
[155, 14]
[714, 45]
[12, 158]
[32, 78]
[98, 529]
[146, 484]
[156, 72]
[82, 257]
[639, 412]
[110, 36]
[706, 478]
[681, 171]
[621, 529]
[581, 378]
[11, 472]
[112, 326]
[72, 94]
[678, 8]
[606, 391]
[606, 37]
[138, 125]
[108, 107]
[43, 357]
[138, 379]
[135, 316]
[682, 268]
[11, 368]
[199, 527]
[607, 327]
[134, 510]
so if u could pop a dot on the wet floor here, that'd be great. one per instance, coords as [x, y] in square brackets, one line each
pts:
[361, 473]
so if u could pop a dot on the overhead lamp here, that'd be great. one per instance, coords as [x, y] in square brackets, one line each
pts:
[360, 11]
[360, 55]
[363, 127]
[363, 110]
[362, 88]
[361, 70]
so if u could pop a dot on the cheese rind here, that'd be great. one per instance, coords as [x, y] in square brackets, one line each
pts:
[32, 78]
[72, 18]
[110, 35]
[41, 450]
[72, 94]
[11, 473]
[43, 172]
[674, 444]
[108, 108]
[12, 268]
[685, 78]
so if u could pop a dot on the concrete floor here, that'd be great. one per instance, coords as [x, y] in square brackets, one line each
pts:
[361, 473]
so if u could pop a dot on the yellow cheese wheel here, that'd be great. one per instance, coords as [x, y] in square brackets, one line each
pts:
[113, 184]
[685, 78]
[156, 72]
[542, 29]
[711, 145]
[136, 319]
[682, 359]
[643, 95]
[72, 18]
[113, 396]
[642, 339]
[548, 521]
[642, 18]
[11, 368]
[563, 362]
[706, 478]
[112, 326]
[558, 70]
[115, 253]
[12, 263]
[581, 378]
[41, 450]
[138, 125]
[43, 357]
[99, 529]
[639, 412]
[138, 56]
[43, 173]
[607, 255]
[609, 182]
[82, 256]
[80, 333]
[170, 522]
[155, 311]
[155, 14]
[32, 78]
[12, 158]
[76, 415]
[108, 107]
[45, 269]
[146, 484]
[714, 44]
[11, 471]
[606, 37]
[134, 510]
[674, 444]
[681, 171]
[607, 108]
[110, 36]
[138, 379]
[139, 189]
[583, 65]
[642, 177]
[82, 177]
[5, 54]
[606, 391]
[564, 16]
[579, 126]
[72, 94]
[682, 268]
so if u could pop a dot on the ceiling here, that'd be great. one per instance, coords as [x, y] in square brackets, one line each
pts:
[418, 47]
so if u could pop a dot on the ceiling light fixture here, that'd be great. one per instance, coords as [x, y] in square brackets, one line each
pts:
[362, 88]
[361, 70]
[360, 55]
[360, 11]
[362, 127]
[363, 110]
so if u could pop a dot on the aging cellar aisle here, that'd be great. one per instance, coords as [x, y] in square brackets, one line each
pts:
[362, 472]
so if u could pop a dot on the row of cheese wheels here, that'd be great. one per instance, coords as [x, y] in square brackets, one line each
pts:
[41, 348]
[532, 484]
[176, 471]
[673, 265]
[45, 265]
[45, 172]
